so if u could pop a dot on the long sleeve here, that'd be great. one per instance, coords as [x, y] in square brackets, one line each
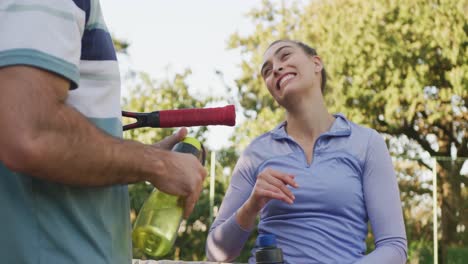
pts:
[226, 238]
[383, 205]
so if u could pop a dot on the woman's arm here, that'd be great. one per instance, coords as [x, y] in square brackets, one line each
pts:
[226, 237]
[382, 198]
[247, 195]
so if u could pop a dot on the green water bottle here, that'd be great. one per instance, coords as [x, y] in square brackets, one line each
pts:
[156, 226]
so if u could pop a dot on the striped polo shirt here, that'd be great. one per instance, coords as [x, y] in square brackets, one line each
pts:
[46, 222]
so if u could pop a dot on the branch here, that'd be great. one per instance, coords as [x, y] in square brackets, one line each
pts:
[415, 189]
[448, 132]
[463, 150]
[464, 180]
[411, 133]
[422, 163]
[387, 130]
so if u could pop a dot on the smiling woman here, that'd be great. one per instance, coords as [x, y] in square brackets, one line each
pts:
[316, 180]
[307, 49]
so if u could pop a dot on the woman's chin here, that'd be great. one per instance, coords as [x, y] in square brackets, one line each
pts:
[291, 93]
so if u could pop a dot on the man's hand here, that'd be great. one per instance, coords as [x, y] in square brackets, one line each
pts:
[181, 174]
[185, 176]
[168, 142]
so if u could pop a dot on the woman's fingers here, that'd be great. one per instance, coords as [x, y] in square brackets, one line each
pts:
[273, 192]
[281, 186]
[273, 184]
[284, 177]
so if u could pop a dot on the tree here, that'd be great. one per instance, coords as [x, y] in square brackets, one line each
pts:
[397, 66]
[120, 45]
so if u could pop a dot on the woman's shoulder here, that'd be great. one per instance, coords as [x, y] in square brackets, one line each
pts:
[268, 143]
[260, 142]
[363, 138]
[363, 131]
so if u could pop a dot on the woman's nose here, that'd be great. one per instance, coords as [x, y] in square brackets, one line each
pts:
[278, 70]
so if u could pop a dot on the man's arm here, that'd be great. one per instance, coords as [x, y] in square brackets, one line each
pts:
[43, 137]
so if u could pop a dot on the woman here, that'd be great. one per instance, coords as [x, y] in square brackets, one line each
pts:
[316, 180]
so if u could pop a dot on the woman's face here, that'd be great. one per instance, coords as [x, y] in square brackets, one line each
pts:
[289, 72]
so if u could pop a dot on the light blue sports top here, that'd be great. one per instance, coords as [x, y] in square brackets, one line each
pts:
[350, 182]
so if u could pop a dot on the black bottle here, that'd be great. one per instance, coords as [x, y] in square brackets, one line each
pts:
[267, 252]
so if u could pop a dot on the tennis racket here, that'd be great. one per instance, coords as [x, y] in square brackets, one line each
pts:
[225, 115]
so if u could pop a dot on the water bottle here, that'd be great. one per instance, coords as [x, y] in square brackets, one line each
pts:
[268, 252]
[156, 226]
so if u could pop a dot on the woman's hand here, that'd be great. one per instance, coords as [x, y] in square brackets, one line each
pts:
[270, 184]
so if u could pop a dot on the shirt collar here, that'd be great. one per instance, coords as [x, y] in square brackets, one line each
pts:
[340, 127]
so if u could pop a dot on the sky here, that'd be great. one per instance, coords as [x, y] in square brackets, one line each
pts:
[168, 36]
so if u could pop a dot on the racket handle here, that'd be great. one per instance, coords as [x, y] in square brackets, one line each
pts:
[225, 115]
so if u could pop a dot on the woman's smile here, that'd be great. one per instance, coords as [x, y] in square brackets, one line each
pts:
[284, 79]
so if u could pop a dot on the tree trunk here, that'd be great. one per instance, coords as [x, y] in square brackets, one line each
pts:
[450, 203]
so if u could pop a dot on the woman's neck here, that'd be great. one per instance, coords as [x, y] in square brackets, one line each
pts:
[308, 119]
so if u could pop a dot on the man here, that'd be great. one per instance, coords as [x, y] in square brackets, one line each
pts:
[63, 168]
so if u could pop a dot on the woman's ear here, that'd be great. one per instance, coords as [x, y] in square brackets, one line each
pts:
[318, 65]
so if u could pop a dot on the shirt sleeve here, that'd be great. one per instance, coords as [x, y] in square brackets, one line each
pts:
[382, 198]
[226, 238]
[45, 34]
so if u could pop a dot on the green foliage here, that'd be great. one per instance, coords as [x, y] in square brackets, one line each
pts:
[457, 255]
[120, 46]
[421, 251]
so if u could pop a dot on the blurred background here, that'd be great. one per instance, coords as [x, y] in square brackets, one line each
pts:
[397, 66]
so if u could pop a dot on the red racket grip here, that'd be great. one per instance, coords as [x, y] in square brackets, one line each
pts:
[225, 115]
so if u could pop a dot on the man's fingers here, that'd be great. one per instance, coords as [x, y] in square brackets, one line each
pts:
[190, 202]
[181, 133]
[169, 142]
[192, 199]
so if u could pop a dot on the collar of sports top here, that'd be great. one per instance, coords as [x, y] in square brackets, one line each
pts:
[340, 127]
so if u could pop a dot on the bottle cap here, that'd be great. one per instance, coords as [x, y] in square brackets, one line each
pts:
[266, 240]
[193, 141]
[267, 252]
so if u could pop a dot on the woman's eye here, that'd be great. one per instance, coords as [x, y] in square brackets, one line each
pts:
[266, 72]
[285, 55]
